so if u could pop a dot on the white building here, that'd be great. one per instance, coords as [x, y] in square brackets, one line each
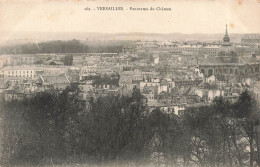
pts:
[31, 71]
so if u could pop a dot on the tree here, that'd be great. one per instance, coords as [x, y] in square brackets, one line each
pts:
[68, 60]
[246, 111]
[159, 123]
[52, 63]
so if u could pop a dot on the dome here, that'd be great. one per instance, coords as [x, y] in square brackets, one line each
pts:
[226, 51]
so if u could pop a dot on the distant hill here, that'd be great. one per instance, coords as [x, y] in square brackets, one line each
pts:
[35, 37]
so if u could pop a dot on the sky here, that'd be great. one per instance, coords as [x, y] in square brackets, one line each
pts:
[189, 16]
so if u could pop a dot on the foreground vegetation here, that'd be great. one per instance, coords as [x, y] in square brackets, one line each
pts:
[59, 128]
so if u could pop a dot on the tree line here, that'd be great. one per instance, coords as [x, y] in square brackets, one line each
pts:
[71, 46]
[54, 127]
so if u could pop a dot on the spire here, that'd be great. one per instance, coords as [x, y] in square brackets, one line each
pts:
[226, 30]
[226, 37]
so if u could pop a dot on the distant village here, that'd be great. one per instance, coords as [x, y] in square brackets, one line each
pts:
[171, 75]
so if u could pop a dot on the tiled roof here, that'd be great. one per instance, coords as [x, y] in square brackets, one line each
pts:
[55, 79]
[221, 61]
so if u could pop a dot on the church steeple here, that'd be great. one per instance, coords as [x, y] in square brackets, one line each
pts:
[226, 38]
[226, 30]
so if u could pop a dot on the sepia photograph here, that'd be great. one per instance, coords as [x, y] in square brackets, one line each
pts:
[130, 83]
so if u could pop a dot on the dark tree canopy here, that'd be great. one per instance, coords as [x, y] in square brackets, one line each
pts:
[52, 127]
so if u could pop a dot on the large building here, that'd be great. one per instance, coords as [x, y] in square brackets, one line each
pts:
[250, 39]
[21, 59]
[228, 63]
[31, 71]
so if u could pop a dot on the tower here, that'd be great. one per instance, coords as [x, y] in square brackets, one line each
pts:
[226, 39]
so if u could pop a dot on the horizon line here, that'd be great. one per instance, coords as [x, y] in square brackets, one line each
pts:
[162, 33]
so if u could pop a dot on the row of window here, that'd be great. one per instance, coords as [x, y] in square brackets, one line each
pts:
[196, 49]
[15, 72]
[31, 72]
[231, 71]
[22, 75]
